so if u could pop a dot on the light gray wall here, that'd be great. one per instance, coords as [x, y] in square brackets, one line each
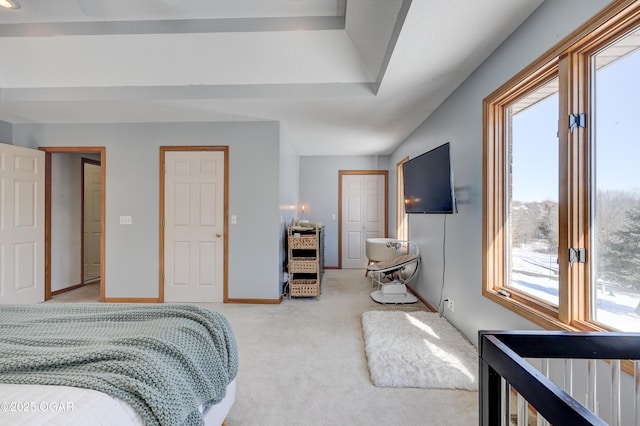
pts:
[319, 188]
[66, 215]
[6, 132]
[132, 188]
[289, 190]
[459, 121]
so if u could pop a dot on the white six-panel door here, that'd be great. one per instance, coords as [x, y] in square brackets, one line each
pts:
[194, 226]
[363, 216]
[21, 225]
[92, 221]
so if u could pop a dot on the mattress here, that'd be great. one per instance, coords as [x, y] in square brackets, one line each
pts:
[31, 405]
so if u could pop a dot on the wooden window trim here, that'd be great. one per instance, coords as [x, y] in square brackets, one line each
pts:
[569, 59]
[402, 224]
[494, 208]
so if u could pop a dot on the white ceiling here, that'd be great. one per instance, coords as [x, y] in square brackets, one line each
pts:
[344, 77]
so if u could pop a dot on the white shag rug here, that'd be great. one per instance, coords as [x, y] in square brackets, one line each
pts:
[418, 350]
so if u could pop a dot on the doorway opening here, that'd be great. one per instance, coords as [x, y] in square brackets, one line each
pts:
[66, 221]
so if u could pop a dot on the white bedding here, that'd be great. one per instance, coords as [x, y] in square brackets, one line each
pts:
[34, 405]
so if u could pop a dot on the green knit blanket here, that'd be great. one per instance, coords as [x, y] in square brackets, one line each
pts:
[164, 360]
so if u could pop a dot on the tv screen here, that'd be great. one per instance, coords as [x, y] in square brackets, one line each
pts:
[428, 183]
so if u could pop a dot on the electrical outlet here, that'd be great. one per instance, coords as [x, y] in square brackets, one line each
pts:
[450, 305]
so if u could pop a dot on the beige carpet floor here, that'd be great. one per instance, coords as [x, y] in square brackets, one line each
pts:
[302, 362]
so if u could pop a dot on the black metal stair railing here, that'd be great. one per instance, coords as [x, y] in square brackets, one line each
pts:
[502, 359]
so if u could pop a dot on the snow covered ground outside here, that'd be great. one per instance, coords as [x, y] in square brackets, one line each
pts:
[536, 274]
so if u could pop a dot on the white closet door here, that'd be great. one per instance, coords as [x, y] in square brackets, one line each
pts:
[363, 216]
[194, 226]
[21, 225]
[92, 220]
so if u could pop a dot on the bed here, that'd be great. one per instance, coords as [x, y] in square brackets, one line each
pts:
[124, 364]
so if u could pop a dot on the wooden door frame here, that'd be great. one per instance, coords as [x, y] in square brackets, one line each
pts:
[342, 173]
[84, 161]
[48, 151]
[225, 259]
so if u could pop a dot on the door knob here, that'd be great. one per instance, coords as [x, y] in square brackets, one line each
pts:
[218, 235]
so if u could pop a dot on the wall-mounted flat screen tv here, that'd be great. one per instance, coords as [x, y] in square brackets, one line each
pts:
[428, 183]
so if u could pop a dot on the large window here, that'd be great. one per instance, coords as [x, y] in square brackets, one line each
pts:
[562, 181]
[532, 196]
[616, 184]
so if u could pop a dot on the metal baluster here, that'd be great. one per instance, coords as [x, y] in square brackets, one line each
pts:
[636, 390]
[591, 385]
[544, 369]
[523, 415]
[615, 392]
[568, 376]
[506, 400]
